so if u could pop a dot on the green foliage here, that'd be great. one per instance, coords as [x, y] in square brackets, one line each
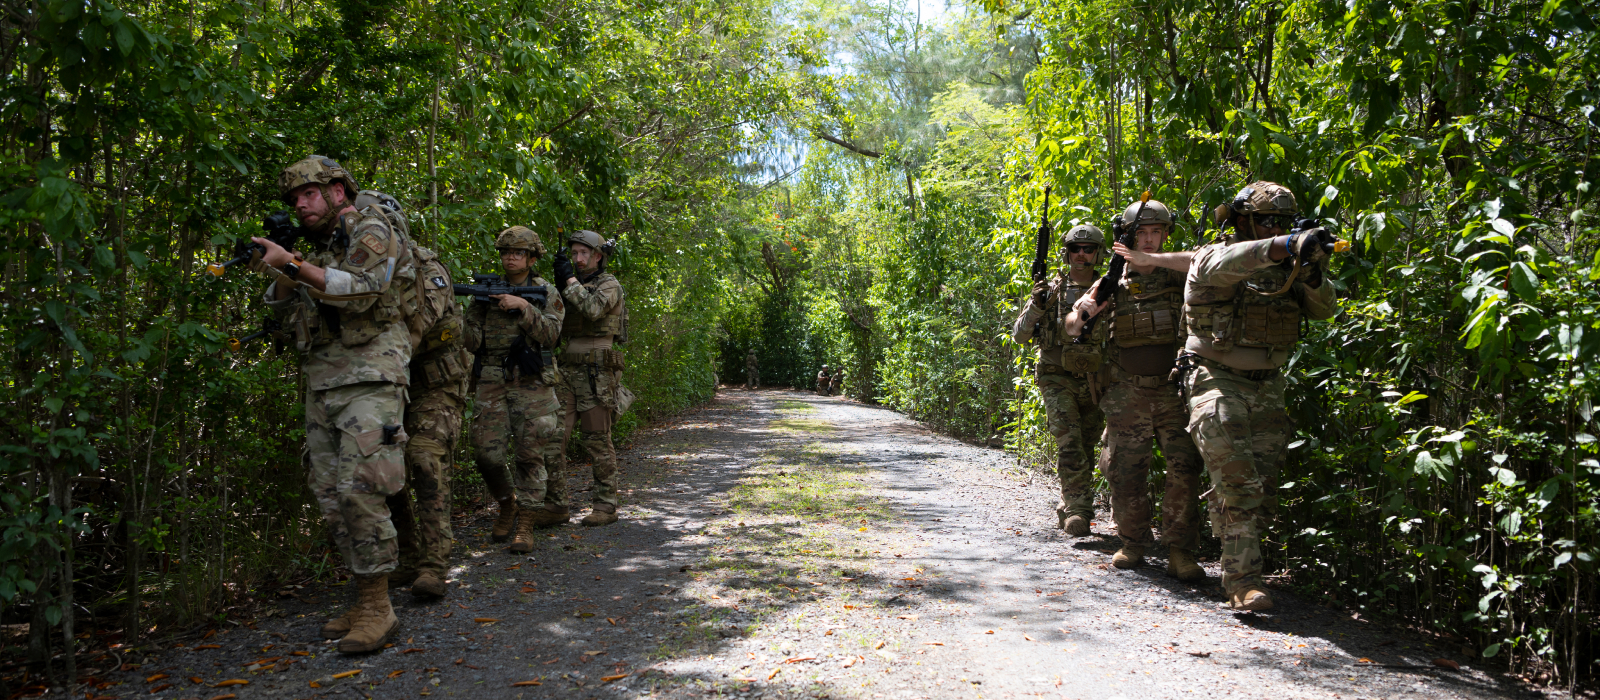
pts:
[143, 140]
[1445, 466]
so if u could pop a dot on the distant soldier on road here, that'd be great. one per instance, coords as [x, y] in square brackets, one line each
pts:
[591, 391]
[1142, 400]
[1244, 301]
[752, 373]
[836, 382]
[513, 341]
[1069, 373]
[823, 380]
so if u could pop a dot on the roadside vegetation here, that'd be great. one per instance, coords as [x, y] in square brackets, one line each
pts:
[848, 183]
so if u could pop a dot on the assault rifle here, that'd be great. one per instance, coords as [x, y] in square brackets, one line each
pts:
[1329, 243]
[269, 327]
[485, 285]
[1121, 232]
[1041, 251]
[280, 228]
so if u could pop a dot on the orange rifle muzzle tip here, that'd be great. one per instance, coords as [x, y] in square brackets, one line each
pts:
[1341, 246]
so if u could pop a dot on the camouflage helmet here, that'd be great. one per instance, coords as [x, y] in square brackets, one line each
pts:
[1259, 198]
[591, 239]
[1084, 233]
[1153, 212]
[1263, 197]
[520, 238]
[315, 170]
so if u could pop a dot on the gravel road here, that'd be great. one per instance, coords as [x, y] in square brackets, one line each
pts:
[781, 544]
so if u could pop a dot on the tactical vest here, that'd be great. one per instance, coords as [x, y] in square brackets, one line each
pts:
[1147, 309]
[439, 357]
[613, 324]
[320, 323]
[1062, 350]
[1256, 313]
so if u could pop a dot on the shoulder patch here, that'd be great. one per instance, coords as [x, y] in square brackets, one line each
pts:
[373, 242]
[359, 257]
[437, 282]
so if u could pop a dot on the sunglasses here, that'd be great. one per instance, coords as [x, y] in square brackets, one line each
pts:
[1081, 248]
[1283, 221]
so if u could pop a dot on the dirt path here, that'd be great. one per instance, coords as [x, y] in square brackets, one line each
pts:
[780, 544]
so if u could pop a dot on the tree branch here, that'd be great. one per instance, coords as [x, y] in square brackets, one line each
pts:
[845, 144]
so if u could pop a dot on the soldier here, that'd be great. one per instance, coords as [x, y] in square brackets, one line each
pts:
[1243, 303]
[822, 381]
[592, 396]
[1068, 373]
[1141, 399]
[836, 382]
[347, 303]
[433, 420]
[752, 374]
[513, 341]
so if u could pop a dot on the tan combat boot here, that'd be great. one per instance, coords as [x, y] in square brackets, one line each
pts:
[546, 516]
[375, 619]
[524, 541]
[429, 584]
[338, 627]
[504, 523]
[1181, 566]
[1129, 557]
[603, 514]
[1075, 525]
[1250, 598]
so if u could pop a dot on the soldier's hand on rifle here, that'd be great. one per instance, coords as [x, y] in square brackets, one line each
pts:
[509, 302]
[561, 269]
[1041, 293]
[1086, 307]
[275, 256]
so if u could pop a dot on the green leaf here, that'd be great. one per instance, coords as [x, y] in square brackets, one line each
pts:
[1408, 398]
[1491, 650]
[1524, 281]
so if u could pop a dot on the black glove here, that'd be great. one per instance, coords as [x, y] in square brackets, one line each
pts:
[562, 269]
[1309, 245]
[1041, 291]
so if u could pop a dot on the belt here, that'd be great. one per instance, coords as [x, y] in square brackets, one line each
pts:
[591, 357]
[1143, 381]
[1254, 375]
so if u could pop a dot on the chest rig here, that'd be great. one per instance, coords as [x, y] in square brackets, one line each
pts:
[1256, 313]
[1148, 309]
[1062, 350]
[614, 323]
[395, 301]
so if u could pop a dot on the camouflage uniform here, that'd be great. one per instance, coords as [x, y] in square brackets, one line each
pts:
[752, 375]
[513, 406]
[355, 349]
[1070, 381]
[822, 382]
[1243, 323]
[591, 378]
[1142, 402]
[433, 420]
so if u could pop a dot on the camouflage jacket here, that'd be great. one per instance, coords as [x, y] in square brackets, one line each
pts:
[491, 331]
[597, 308]
[345, 342]
[1059, 353]
[1234, 312]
